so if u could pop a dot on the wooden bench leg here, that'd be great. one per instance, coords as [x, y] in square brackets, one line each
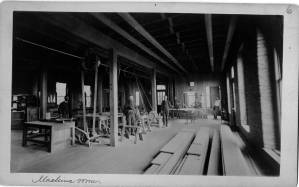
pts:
[24, 142]
[49, 146]
[136, 134]
[149, 125]
[140, 136]
[143, 126]
[122, 133]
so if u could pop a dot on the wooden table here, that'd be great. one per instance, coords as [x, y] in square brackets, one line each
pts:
[188, 113]
[55, 135]
[103, 119]
[145, 122]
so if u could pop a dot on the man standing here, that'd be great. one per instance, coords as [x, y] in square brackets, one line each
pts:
[165, 111]
[216, 107]
[64, 108]
[130, 114]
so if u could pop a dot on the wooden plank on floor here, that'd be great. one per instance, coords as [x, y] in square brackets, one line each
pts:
[178, 169]
[213, 166]
[174, 143]
[195, 149]
[152, 169]
[192, 165]
[161, 158]
[202, 135]
[188, 130]
[234, 164]
[199, 147]
[178, 155]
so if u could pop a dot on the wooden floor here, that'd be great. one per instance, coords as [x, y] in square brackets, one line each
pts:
[127, 158]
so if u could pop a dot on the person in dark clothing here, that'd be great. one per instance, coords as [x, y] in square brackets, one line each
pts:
[130, 114]
[64, 108]
[216, 107]
[165, 111]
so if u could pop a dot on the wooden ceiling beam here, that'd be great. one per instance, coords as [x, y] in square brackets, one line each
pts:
[183, 32]
[170, 22]
[179, 27]
[209, 30]
[92, 35]
[163, 18]
[178, 41]
[230, 33]
[100, 17]
[133, 23]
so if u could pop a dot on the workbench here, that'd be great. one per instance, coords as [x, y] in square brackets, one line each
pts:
[102, 120]
[54, 135]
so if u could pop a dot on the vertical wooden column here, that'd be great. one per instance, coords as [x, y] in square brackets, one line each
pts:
[208, 98]
[83, 101]
[173, 91]
[154, 90]
[113, 99]
[100, 94]
[170, 84]
[95, 99]
[228, 94]
[241, 90]
[44, 92]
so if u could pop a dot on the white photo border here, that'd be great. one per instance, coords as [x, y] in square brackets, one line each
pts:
[289, 131]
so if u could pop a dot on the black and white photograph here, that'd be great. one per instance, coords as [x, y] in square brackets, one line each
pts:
[161, 91]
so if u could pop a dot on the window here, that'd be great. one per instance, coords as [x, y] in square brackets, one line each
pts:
[241, 93]
[228, 93]
[161, 87]
[189, 99]
[87, 94]
[161, 92]
[233, 102]
[60, 91]
[137, 98]
[278, 79]
[160, 97]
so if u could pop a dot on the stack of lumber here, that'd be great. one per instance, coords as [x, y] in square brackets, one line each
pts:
[233, 161]
[171, 154]
[185, 154]
[195, 159]
[213, 166]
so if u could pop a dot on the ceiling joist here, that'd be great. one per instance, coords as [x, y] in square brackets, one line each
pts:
[209, 30]
[133, 23]
[126, 35]
[230, 33]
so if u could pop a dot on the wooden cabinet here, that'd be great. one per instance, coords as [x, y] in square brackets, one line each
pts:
[17, 119]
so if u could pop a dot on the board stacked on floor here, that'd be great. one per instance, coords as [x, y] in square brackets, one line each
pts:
[171, 153]
[233, 161]
[186, 154]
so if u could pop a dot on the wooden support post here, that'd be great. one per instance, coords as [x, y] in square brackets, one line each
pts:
[83, 102]
[44, 93]
[100, 94]
[209, 31]
[95, 99]
[170, 88]
[173, 91]
[113, 99]
[154, 91]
